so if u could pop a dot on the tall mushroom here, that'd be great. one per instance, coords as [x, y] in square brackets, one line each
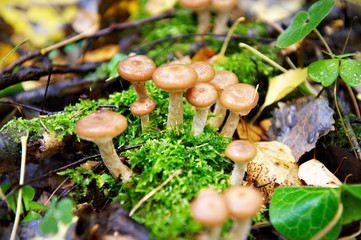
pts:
[175, 79]
[142, 108]
[240, 152]
[221, 80]
[137, 69]
[223, 8]
[101, 127]
[240, 99]
[201, 96]
[243, 203]
[210, 209]
[202, 9]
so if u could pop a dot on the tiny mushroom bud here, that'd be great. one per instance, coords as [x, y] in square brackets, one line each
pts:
[175, 79]
[210, 209]
[205, 71]
[142, 108]
[223, 8]
[243, 203]
[101, 127]
[221, 80]
[240, 99]
[137, 69]
[204, 15]
[240, 152]
[201, 96]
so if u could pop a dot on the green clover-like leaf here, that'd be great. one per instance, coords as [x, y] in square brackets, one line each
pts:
[324, 71]
[304, 22]
[302, 212]
[350, 71]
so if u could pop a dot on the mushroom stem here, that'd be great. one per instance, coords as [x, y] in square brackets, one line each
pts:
[221, 22]
[175, 109]
[240, 229]
[140, 89]
[238, 173]
[231, 124]
[199, 120]
[218, 110]
[212, 233]
[144, 121]
[112, 161]
[204, 18]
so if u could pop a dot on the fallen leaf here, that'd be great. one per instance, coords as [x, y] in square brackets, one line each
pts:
[250, 132]
[300, 123]
[203, 54]
[101, 54]
[155, 7]
[315, 173]
[273, 166]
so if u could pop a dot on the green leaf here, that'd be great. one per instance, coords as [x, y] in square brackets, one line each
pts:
[64, 210]
[324, 71]
[37, 206]
[31, 216]
[301, 212]
[113, 63]
[28, 195]
[350, 71]
[351, 197]
[304, 22]
[48, 225]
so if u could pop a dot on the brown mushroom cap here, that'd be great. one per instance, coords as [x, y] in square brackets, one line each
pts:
[195, 4]
[137, 68]
[223, 79]
[101, 124]
[202, 95]
[240, 97]
[223, 5]
[209, 208]
[205, 71]
[241, 151]
[243, 202]
[174, 77]
[143, 106]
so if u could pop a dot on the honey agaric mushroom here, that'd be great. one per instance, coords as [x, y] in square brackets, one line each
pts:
[240, 99]
[205, 71]
[223, 8]
[204, 15]
[101, 127]
[240, 152]
[142, 108]
[210, 209]
[201, 96]
[175, 79]
[137, 69]
[221, 80]
[243, 203]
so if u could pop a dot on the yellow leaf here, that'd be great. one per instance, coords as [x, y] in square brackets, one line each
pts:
[155, 7]
[101, 54]
[4, 50]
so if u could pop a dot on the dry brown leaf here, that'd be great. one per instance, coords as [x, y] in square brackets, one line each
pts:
[273, 166]
[250, 132]
[315, 173]
[204, 54]
[101, 54]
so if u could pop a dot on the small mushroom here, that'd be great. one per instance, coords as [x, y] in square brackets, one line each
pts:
[223, 8]
[205, 71]
[142, 108]
[221, 80]
[240, 99]
[210, 209]
[202, 9]
[175, 79]
[240, 152]
[243, 203]
[201, 96]
[137, 69]
[101, 127]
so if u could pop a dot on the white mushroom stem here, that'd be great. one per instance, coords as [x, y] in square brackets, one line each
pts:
[204, 18]
[240, 229]
[140, 89]
[199, 120]
[231, 124]
[221, 22]
[144, 121]
[218, 110]
[212, 233]
[175, 109]
[112, 160]
[238, 173]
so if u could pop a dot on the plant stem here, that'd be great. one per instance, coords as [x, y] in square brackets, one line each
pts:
[323, 41]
